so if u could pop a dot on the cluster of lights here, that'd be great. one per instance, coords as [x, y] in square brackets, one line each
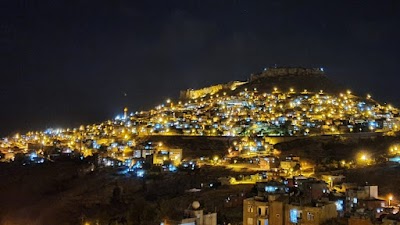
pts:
[248, 113]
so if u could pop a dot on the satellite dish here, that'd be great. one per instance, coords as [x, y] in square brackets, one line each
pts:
[196, 205]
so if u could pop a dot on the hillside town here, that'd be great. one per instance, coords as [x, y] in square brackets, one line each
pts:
[287, 189]
[200, 112]
[248, 114]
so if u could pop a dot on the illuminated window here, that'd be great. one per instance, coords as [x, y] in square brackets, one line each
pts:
[250, 208]
[339, 205]
[293, 215]
[270, 189]
[310, 216]
[263, 222]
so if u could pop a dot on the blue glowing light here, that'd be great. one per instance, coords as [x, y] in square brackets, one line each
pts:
[140, 173]
[339, 205]
[395, 159]
[293, 215]
[270, 189]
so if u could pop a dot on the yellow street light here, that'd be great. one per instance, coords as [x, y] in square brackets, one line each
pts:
[215, 159]
[390, 198]
[363, 157]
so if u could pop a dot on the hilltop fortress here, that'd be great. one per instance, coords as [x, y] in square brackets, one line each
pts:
[199, 93]
[268, 73]
[288, 72]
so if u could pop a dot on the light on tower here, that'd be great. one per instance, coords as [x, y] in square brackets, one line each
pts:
[125, 112]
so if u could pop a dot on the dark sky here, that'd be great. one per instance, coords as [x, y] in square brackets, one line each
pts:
[69, 62]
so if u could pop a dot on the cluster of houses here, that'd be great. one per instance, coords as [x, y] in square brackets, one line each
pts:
[277, 113]
[302, 200]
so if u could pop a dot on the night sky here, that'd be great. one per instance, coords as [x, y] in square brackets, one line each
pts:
[69, 62]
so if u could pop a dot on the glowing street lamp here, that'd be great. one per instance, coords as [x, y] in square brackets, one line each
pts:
[390, 198]
[363, 157]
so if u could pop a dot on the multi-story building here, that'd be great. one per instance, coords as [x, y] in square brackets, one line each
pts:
[172, 155]
[276, 204]
[195, 216]
[311, 214]
[362, 197]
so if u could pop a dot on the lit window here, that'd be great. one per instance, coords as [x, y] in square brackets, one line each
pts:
[339, 205]
[310, 216]
[250, 208]
[293, 215]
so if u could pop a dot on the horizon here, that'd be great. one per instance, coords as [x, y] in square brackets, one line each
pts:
[75, 124]
[72, 63]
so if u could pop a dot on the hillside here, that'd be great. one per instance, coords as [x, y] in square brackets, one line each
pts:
[282, 79]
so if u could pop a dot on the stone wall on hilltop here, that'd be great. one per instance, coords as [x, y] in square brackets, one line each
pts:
[274, 76]
[199, 93]
[288, 72]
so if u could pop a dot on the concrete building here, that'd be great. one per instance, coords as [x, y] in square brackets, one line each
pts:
[279, 212]
[291, 165]
[276, 204]
[255, 212]
[357, 194]
[312, 190]
[333, 180]
[172, 155]
[310, 214]
[195, 216]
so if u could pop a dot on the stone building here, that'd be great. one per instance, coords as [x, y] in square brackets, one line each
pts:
[276, 204]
